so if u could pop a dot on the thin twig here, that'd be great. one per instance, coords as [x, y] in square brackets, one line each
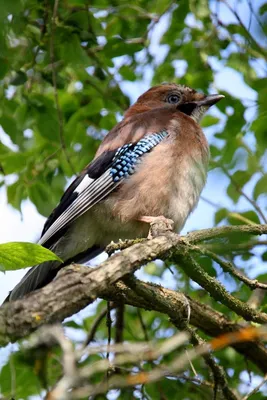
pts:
[256, 298]
[12, 376]
[231, 37]
[218, 372]
[229, 247]
[94, 326]
[112, 247]
[217, 290]
[256, 16]
[256, 389]
[49, 336]
[239, 190]
[225, 231]
[143, 349]
[227, 266]
[54, 79]
[193, 379]
[143, 325]
[134, 353]
[260, 49]
[211, 203]
[109, 324]
[119, 325]
[178, 364]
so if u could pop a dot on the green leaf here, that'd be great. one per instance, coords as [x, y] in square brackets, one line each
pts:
[14, 161]
[153, 268]
[73, 324]
[209, 120]
[41, 195]
[117, 47]
[240, 178]
[207, 264]
[127, 73]
[247, 217]
[200, 8]
[220, 215]
[15, 194]
[19, 78]
[260, 187]
[9, 7]
[9, 126]
[3, 67]
[46, 117]
[17, 255]
[27, 383]
[72, 52]
[263, 9]
[258, 126]
[48, 125]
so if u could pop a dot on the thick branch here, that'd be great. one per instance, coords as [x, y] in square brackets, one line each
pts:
[76, 287]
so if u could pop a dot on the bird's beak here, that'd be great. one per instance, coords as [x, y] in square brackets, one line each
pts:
[210, 100]
[196, 109]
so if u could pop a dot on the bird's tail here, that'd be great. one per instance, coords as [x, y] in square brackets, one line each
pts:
[37, 277]
[40, 275]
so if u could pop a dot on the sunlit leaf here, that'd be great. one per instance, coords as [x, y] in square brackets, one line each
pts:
[260, 187]
[17, 255]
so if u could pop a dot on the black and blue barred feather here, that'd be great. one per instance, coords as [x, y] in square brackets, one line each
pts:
[128, 156]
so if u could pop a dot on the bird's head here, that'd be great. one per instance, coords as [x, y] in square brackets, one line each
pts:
[187, 100]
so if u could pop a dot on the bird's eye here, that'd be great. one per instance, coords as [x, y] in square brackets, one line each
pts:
[173, 98]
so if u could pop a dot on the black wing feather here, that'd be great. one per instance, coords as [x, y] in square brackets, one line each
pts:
[94, 170]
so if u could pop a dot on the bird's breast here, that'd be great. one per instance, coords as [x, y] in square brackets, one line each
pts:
[167, 182]
[185, 188]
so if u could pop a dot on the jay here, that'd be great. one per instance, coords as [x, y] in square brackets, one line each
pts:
[153, 163]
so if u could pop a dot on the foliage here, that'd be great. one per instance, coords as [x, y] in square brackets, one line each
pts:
[65, 67]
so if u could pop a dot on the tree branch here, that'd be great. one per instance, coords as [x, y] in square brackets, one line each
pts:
[77, 286]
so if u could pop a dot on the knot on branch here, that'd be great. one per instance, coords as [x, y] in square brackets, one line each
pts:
[160, 226]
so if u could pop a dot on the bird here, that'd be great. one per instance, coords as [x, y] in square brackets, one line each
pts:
[153, 163]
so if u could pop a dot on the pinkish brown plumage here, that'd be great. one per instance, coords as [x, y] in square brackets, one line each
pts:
[164, 173]
[153, 163]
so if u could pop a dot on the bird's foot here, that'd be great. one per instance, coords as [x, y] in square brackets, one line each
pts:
[158, 225]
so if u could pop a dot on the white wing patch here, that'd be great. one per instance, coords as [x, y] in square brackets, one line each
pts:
[84, 184]
[91, 195]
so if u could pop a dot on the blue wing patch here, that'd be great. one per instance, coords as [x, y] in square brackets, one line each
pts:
[128, 156]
